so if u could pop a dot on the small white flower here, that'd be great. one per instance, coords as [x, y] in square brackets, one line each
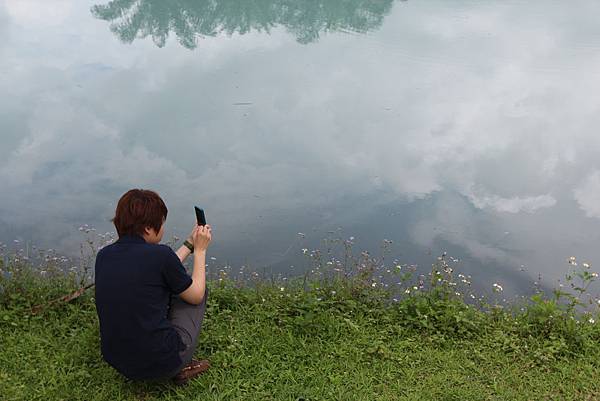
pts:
[304, 250]
[374, 285]
[586, 265]
[407, 291]
[591, 320]
[282, 289]
[497, 287]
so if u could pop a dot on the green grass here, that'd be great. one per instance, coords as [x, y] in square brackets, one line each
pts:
[307, 343]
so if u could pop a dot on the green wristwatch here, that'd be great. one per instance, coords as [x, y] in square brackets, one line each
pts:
[189, 245]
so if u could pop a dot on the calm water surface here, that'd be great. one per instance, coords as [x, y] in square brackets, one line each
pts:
[469, 127]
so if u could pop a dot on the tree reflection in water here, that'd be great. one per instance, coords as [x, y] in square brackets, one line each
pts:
[190, 19]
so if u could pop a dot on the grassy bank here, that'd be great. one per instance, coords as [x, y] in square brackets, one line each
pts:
[314, 338]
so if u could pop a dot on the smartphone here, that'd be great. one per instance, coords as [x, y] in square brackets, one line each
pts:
[200, 216]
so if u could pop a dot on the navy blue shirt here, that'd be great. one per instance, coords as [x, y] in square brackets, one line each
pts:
[134, 281]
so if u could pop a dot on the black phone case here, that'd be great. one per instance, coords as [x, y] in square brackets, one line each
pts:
[200, 216]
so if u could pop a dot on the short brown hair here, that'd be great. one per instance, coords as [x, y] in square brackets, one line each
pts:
[138, 209]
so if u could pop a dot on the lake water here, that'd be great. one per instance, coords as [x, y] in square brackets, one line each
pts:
[467, 127]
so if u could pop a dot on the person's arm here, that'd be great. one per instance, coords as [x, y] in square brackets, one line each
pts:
[194, 294]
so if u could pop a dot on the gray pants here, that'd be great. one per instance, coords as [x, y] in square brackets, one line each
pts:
[187, 321]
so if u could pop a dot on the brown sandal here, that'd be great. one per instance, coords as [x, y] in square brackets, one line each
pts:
[191, 370]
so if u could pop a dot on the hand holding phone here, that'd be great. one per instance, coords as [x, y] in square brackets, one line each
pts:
[201, 237]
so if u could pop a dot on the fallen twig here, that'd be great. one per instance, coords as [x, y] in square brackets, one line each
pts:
[66, 298]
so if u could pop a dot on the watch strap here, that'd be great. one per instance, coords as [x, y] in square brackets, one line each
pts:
[189, 245]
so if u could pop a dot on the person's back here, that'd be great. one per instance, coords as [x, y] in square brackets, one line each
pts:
[134, 280]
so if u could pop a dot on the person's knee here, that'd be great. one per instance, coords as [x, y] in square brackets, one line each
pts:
[205, 296]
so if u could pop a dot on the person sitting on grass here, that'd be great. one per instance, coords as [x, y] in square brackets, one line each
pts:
[150, 310]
